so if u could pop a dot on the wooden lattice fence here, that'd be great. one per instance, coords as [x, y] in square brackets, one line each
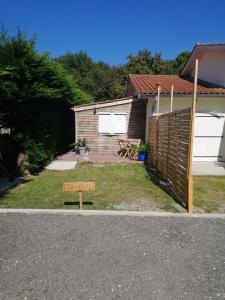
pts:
[169, 140]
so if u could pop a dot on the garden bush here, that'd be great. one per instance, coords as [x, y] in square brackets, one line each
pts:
[36, 94]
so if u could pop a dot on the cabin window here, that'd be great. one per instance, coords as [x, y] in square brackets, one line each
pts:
[112, 123]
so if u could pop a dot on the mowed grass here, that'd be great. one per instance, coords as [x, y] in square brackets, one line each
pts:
[209, 193]
[115, 184]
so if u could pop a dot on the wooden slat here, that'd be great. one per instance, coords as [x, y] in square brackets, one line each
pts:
[168, 137]
[87, 126]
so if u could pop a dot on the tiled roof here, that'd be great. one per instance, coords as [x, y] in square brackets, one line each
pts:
[147, 84]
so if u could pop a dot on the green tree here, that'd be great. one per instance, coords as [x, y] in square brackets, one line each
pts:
[35, 95]
[177, 65]
[180, 61]
[103, 81]
[144, 63]
[98, 79]
[81, 67]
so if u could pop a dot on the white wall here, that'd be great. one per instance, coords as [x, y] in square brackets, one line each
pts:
[149, 108]
[212, 67]
[204, 104]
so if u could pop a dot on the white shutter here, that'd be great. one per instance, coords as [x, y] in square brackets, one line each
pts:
[119, 123]
[105, 124]
[112, 123]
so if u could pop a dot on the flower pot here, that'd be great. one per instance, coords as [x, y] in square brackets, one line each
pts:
[82, 151]
[142, 156]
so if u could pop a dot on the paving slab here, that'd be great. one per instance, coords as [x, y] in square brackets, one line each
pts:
[61, 165]
[208, 168]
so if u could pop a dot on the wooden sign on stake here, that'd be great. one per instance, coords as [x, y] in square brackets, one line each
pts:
[191, 141]
[79, 187]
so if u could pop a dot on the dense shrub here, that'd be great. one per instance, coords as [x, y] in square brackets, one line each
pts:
[36, 94]
[38, 155]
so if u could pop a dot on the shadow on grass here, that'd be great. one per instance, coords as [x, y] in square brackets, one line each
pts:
[156, 177]
[78, 203]
[10, 184]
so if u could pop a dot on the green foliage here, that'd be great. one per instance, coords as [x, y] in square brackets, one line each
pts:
[177, 65]
[98, 79]
[81, 142]
[181, 60]
[25, 74]
[134, 148]
[143, 148]
[103, 81]
[145, 63]
[38, 155]
[35, 98]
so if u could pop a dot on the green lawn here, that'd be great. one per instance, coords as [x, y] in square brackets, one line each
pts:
[126, 186]
[209, 193]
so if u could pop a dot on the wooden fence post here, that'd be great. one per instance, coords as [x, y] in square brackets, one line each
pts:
[157, 140]
[171, 99]
[158, 98]
[168, 146]
[191, 142]
[81, 200]
[168, 134]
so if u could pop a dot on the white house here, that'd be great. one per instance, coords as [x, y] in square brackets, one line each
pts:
[209, 143]
[102, 124]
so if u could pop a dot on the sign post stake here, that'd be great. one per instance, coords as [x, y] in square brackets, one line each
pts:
[80, 199]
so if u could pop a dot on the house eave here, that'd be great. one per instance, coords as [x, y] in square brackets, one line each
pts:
[146, 96]
[104, 104]
[197, 52]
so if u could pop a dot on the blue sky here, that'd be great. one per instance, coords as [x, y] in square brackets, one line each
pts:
[110, 30]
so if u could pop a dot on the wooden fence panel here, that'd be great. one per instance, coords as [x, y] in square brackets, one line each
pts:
[169, 140]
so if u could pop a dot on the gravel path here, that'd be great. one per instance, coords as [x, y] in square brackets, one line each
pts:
[111, 257]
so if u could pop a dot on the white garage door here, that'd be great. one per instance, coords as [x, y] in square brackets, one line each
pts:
[209, 137]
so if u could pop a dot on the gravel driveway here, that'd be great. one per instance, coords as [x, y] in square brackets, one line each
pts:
[111, 257]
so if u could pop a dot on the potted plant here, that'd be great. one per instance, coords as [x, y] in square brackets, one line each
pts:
[81, 146]
[142, 155]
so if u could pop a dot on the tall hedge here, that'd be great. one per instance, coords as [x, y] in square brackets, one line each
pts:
[36, 94]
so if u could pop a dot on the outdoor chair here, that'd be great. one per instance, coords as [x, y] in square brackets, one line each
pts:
[123, 148]
[134, 148]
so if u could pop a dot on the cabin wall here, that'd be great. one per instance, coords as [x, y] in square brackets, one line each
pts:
[87, 126]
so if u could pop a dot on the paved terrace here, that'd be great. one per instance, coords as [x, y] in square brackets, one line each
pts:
[199, 168]
[97, 158]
